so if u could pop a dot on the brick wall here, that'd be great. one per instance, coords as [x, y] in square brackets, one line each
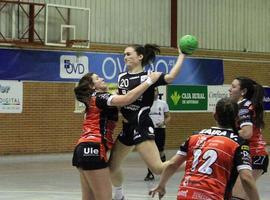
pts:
[48, 122]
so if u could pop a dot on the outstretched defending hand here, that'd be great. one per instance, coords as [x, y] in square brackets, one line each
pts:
[160, 190]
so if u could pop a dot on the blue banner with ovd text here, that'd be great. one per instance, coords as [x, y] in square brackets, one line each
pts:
[67, 66]
[266, 98]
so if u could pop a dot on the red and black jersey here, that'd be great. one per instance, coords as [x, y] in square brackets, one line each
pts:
[127, 82]
[246, 117]
[100, 120]
[213, 158]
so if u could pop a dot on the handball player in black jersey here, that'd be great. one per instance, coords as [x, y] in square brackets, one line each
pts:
[90, 153]
[138, 129]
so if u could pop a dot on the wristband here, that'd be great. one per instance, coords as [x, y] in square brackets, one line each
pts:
[149, 81]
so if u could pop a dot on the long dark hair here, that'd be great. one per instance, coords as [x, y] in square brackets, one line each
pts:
[255, 94]
[83, 91]
[227, 113]
[148, 51]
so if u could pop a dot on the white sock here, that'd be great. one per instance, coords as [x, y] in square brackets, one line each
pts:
[118, 192]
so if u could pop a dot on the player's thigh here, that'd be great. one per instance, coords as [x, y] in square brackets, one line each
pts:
[150, 154]
[87, 192]
[118, 153]
[99, 180]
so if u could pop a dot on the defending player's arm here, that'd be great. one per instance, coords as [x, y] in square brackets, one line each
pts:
[249, 184]
[243, 163]
[176, 68]
[132, 95]
[169, 170]
[172, 166]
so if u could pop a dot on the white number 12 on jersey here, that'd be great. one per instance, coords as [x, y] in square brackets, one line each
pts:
[209, 157]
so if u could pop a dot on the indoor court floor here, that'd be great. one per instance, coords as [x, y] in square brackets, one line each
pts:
[51, 177]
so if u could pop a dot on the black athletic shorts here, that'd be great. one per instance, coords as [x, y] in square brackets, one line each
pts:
[260, 162]
[160, 138]
[133, 134]
[88, 156]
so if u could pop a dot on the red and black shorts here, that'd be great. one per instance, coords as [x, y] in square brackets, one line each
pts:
[89, 156]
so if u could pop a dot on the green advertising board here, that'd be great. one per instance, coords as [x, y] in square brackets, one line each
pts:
[187, 98]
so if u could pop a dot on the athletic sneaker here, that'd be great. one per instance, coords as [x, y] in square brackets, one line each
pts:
[149, 177]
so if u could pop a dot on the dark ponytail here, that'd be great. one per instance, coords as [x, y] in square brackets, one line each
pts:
[255, 94]
[148, 51]
[257, 100]
[227, 113]
[83, 91]
[150, 54]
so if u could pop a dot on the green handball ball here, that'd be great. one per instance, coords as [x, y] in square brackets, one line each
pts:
[188, 44]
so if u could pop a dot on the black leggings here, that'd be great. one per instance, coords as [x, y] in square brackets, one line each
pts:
[160, 138]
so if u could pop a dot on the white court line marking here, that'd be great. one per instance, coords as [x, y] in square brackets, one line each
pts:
[129, 195]
[35, 170]
[35, 191]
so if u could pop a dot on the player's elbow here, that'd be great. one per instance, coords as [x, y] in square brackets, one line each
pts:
[246, 133]
[169, 78]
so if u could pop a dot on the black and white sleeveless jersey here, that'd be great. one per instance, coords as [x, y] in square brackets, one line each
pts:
[127, 82]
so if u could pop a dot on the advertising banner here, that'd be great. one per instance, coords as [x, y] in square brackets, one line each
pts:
[201, 98]
[11, 96]
[187, 98]
[67, 66]
[216, 93]
[191, 98]
[266, 99]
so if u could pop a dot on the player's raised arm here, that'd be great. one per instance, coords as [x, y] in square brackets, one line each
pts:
[187, 45]
[176, 68]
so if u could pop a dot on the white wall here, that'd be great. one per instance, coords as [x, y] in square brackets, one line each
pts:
[219, 24]
[226, 24]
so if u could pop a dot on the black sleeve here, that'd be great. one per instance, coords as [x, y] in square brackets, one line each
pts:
[183, 148]
[245, 116]
[160, 81]
[102, 99]
[242, 157]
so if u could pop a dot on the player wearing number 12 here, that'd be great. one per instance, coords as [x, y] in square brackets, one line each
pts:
[214, 157]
